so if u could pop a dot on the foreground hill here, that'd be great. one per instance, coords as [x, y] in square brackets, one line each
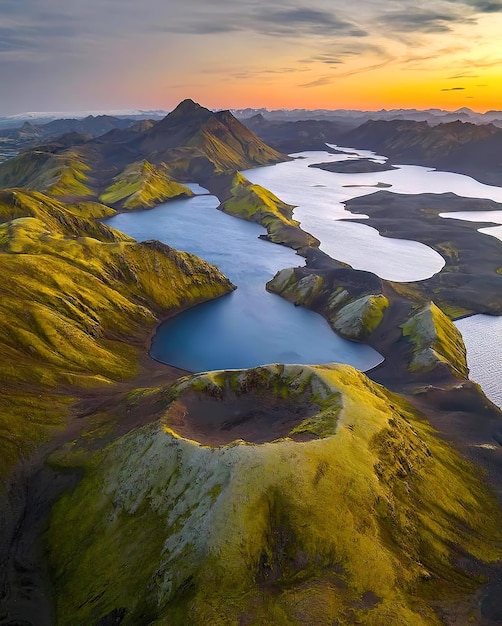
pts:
[283, 495]
[475, 150]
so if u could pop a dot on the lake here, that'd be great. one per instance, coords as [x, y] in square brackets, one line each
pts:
[252, 327]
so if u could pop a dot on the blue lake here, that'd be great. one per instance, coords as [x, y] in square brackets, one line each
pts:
[250, 326]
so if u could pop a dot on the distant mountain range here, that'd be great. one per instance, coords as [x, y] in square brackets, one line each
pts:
[433, 116]
[194, 141]
[457, 146]
[355, 117]
[463, 147]
[43, 117]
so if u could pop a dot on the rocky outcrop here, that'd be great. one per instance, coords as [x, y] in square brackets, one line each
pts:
[436, 341]
[360, 318]
[254, 203]
[339, 295]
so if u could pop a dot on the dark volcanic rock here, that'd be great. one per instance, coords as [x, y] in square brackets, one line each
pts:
[354, 166]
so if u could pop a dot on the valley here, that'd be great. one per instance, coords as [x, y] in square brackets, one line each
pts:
[299, 490]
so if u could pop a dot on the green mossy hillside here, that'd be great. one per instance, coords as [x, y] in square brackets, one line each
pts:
[62, 175]
[256, 204]
[218, 140]
[56, 217]
[436, 341]
[367, 525]
[143, 185]
[78, 301]
[91, 210]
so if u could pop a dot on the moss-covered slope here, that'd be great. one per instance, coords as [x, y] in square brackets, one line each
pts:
[254, 203]
[436, 341]
[352, 301]
[143, 185]
[366, 518]
[77, 297]
[63, 174]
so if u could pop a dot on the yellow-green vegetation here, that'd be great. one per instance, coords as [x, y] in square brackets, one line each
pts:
[55, 217]
[78, 298]
[363, 524]
[62, 175]
[143, 185]
[91, 210]
[436, 341]
[358, 319]
[257, 204]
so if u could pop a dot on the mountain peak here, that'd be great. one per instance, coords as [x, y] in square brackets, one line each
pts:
[187, 107]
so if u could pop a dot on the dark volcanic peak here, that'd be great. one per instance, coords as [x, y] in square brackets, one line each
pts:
[187, 109]
[259, 118]
[218, 137]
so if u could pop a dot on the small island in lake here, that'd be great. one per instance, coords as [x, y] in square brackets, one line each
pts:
[354, 166]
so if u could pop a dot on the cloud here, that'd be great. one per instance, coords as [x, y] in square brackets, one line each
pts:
[324, 80]
[453, 89]
[458, 76]
[419, 20]
[301, 20]
[482, 6]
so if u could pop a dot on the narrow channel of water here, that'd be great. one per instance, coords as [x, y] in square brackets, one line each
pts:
[495, 217]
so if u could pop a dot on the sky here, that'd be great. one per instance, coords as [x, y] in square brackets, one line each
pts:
[73, 55]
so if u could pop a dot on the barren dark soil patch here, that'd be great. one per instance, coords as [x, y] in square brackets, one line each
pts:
[257, 417]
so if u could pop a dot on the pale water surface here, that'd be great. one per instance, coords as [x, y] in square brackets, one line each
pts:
[319, 196]
[495, 217]
[483, 339]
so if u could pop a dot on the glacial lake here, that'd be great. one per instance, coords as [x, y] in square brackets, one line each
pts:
[250, 326]
[319, 196]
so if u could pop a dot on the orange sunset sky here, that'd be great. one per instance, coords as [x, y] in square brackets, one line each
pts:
[369, 54]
